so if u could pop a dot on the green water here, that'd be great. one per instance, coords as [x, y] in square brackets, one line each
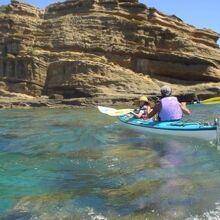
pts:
[81, 164]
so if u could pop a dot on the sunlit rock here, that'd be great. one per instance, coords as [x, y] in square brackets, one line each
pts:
[104, 49]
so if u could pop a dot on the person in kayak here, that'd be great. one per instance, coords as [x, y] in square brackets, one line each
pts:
[169, 108]
[144, 108]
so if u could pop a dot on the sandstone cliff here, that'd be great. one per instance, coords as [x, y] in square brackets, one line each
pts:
[99, 49]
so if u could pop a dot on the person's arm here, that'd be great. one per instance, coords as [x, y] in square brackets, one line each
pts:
[184, 108]
[139, 115]
[154, 111]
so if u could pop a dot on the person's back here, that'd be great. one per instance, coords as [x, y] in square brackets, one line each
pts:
[170, 109]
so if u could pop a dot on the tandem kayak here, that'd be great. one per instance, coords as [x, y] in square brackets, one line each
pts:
[176, 128]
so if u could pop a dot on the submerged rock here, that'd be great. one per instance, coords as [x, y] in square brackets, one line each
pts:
[129, 192]
[17, 215]
[104, 50]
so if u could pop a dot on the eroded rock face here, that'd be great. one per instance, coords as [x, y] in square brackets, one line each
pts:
[104, 48]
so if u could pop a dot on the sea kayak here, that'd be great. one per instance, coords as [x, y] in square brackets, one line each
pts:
[176, 128]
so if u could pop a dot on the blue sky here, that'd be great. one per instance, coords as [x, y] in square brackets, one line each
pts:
[200, 13]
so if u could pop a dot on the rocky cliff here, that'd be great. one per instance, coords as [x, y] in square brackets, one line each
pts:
[104, 49]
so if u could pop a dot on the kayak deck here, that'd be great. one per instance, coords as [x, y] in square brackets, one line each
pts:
[167, 125]
[179, 128]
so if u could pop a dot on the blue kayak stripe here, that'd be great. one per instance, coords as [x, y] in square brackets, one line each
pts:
[177, 127]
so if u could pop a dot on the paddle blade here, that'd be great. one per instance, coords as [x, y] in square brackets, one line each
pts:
[120, 112]
[114, 112]
[106, 110]
[211, 101]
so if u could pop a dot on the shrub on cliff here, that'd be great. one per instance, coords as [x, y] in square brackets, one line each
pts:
[3, 8]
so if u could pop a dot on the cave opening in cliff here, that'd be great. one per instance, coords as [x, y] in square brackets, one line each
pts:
[67, 93]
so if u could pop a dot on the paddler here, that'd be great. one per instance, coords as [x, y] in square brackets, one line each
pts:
[143, 109]
[169, 108]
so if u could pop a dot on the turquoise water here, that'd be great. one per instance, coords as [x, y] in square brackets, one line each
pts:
[81, 164]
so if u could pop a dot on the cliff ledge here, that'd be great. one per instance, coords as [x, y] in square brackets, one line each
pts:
[104, 49]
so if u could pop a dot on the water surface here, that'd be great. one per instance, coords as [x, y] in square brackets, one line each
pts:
[81, 164]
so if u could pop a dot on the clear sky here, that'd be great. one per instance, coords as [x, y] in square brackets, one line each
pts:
[200, 13]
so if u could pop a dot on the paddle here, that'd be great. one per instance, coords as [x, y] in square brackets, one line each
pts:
[211, 101]
[114, 112]
[118, 112]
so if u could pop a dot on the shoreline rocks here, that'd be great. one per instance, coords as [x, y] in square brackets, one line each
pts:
[104, 50]
[46, 102]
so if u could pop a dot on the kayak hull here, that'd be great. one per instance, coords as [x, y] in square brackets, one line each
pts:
[174, 128]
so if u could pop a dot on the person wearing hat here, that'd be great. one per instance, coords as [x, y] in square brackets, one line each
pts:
[169, 108]
[143, 109]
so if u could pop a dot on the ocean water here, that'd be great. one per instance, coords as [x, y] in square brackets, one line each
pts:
[81, 164]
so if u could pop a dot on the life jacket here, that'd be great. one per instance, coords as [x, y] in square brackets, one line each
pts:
[170, 109]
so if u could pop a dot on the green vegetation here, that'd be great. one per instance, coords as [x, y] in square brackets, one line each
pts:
[3, 8]
[31, 51]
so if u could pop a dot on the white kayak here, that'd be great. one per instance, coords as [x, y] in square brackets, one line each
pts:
[176, 128]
